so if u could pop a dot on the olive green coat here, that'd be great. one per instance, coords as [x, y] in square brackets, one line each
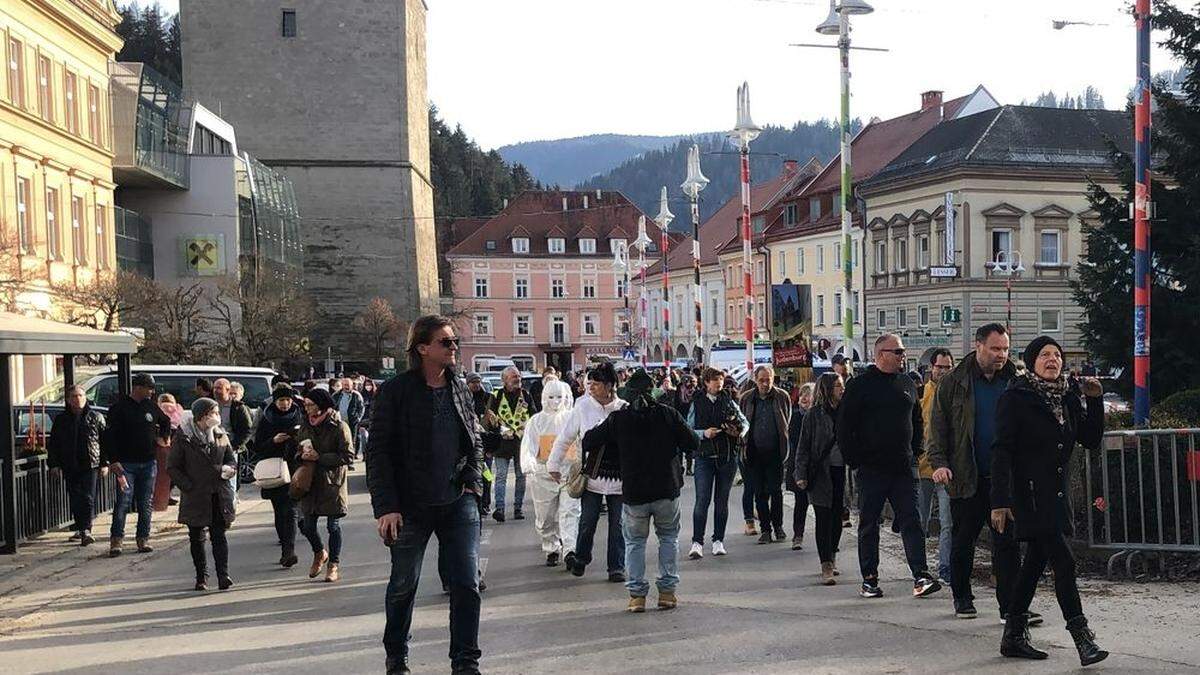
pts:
[329, 495]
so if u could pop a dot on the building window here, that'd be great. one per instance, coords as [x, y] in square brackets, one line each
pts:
[837, 308]
[520, 245]
[758, 224]
[880, 257]
[814, 209]
[783, 263]
[52, 247]
[521, 325]
[854, 256]
[855, 309]
[923, 252]
[490, 245]
[760, 268]
[589, 325]
[24, 219]
[483, 325]
[1051, 320]
[70, 106]
[881, 319]
[614, 244]
[521, 287]
[16, 73]
[791, 215]
[481, 287]
[45, 89]
[901, 255]
[93, 102]
[557, 245]
[902, 318]
[1001, 242]
[523, 363]
[800, 261]
[713, 311]
[922, 317]
[589, 288]
[101, 238]
[558, 329]
[558, 288]
[820, 258]
[587, 246]
[1049, 252]
[820, 310]
[78, 242]
[289, 23]
[837, 256]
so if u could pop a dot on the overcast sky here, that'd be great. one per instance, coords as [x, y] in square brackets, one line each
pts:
[516, 70]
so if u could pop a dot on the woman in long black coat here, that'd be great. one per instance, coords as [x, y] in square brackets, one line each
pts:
[276, 437]
[821, 471]
[1039, 419]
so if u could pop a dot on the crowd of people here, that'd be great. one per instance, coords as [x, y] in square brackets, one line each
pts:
[986, 439]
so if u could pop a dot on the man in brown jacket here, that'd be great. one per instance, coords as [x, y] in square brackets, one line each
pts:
[769, 411]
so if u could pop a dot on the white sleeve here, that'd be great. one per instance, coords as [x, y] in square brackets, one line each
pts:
[566, 437]
[529, 443]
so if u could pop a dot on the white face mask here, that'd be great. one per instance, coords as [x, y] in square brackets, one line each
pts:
[554, 402]
[208, 422]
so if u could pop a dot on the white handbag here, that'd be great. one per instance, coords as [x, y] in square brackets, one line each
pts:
[272, 472]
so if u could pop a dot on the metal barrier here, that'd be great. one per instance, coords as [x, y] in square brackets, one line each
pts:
[42, 502]
[1142, 494]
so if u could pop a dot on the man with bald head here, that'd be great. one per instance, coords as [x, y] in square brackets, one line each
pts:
[235, 420]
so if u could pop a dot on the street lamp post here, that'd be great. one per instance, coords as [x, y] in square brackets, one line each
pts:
[746, 131]
[692, 186]
[664, 219]
[641, 244]
[621, 264]
[838, 23]
[1008, 263]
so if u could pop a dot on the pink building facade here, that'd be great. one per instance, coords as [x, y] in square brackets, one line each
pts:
[537, 284]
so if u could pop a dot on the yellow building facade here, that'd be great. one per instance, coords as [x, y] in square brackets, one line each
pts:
[56, 159]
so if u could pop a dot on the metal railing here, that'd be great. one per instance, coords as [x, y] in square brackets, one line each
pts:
[42, 502]
[1142, 494]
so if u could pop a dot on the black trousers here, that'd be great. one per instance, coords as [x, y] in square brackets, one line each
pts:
[768, 492]
[1052, 548]
[285, 520]
[81, 494]
[220, 546]
[969, 516]
[829, 518]
[800, 513]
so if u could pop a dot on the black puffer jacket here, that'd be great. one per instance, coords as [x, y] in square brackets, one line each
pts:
[274, 422]
[648, 443]
[74, 444]
[818, 435]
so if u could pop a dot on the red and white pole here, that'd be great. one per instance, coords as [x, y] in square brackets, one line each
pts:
[743, 133]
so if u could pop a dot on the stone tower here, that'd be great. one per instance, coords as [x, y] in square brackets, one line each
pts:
[333, 95]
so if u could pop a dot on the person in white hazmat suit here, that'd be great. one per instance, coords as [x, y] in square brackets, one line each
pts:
[556, 514]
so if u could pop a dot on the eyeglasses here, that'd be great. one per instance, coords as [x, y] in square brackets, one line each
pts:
[449, 343]
[899, 351]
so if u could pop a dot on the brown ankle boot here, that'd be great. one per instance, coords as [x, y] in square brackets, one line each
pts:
[332, 573]
[114, 546]
[319, 559]
[827, 574]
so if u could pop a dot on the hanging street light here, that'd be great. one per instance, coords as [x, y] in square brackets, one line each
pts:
[744, 132]
[664, 219]
[692, 186]
[641, 244]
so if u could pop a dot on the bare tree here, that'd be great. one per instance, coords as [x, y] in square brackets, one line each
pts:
[255, 323]
[15, 277]
[104, 302]
[379, 326]
[177, 329]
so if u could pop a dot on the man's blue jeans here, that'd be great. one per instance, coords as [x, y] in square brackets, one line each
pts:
[712, 475]
[501, 470]
[139, 488]
[457, 528]
[876, 488]
[665, 513]
[924, 506]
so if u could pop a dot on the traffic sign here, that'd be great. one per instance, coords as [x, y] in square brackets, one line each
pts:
[629, 354]
[951, 315]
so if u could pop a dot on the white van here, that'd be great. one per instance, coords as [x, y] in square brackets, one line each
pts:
[100, 384]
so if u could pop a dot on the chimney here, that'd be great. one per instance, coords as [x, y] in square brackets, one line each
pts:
[791, 167]
[597, 195]
[931, 99]
[505, 203]
[564, 203]
[585, 198]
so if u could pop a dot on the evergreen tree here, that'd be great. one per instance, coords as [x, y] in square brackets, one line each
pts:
[152, 37]
[1104, 285]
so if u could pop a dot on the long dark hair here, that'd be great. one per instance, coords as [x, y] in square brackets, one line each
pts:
[420, 333]
[824, 397]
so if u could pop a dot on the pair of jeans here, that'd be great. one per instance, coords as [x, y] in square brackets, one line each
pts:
[928, 490]
[878, 487]
[220, 545]
[829, 518]
[713, 475]
[285, 520]
[970, 515]
[665, 514]
[1052, 548]
[457, 527]
[588, 520]
[139, 488]
[308, 527]
[747, 492]
[81, 494]
[501, 479]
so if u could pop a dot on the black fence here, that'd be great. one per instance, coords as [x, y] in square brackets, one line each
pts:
[42, 503]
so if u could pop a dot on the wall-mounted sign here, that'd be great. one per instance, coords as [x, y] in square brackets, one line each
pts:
[203, 255]
[943, 272]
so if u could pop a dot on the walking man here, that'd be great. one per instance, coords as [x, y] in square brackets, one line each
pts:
[510, 409]
[769, 410]
[879, 432]
[719, 423]
[236, 422]
[137, 427]
[962, 425]
[425, 475]
[74, 454]
[350, 407]
[940, 364]
[650, 438]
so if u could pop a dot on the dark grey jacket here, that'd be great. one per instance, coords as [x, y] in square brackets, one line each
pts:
[74, 444]
[195, 466]
[817, 437]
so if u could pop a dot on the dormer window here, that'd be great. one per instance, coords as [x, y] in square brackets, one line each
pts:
[814, 209]
[791, 214]
[614, 244]
[587, 246]
[520, 245]
[490, 244]
[557, 245]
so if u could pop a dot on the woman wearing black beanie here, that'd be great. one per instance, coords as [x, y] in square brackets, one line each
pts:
[1038, 421]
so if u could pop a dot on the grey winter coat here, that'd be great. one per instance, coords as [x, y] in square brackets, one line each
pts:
[818, 435]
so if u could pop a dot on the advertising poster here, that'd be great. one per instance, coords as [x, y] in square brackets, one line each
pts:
[791, 325]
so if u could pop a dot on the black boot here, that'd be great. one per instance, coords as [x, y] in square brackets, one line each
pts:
[201, 581]
[1085, 641]
[1015, 642]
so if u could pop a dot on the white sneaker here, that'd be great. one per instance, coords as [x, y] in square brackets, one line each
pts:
[697, 551]
[718, 548]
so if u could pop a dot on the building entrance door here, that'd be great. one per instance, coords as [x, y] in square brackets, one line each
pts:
[561, 361]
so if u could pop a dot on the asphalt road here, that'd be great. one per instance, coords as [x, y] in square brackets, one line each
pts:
[759, 609]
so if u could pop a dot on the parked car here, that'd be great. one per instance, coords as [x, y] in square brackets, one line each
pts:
[100, 385]
[37, 421]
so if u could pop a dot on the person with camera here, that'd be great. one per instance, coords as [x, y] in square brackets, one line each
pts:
[719, 425]
[74, 454]
[275, 439]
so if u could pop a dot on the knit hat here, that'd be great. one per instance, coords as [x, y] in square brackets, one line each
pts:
[202, 407]
[474, 377]
[639, 383]
[604, 373]
[282, 390]
[321, 398]
[1035, 348]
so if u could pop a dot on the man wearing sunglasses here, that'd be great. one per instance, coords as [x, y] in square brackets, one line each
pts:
[425, 475]
[880, 432]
